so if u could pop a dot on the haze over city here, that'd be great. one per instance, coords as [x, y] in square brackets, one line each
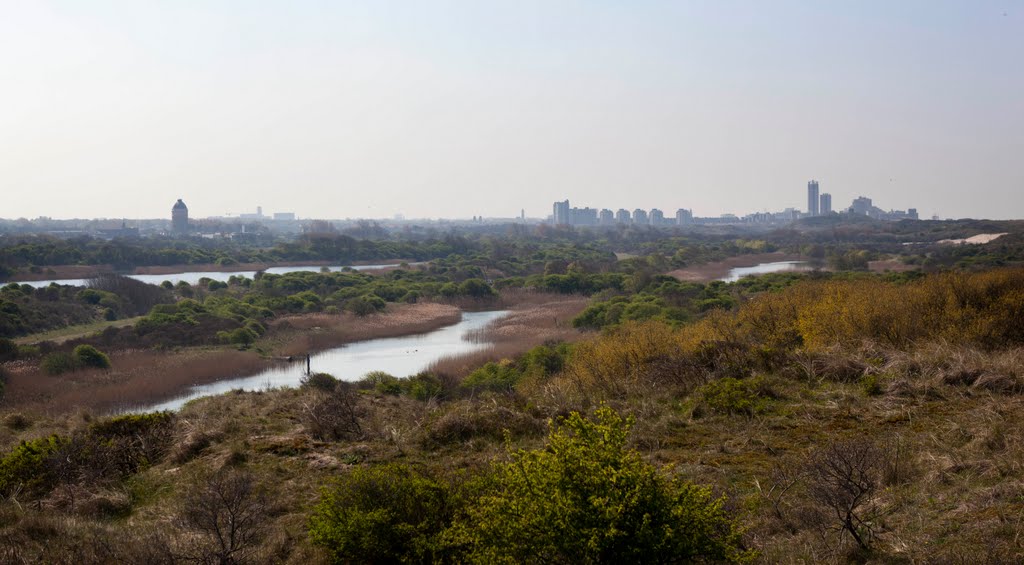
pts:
[457, 109]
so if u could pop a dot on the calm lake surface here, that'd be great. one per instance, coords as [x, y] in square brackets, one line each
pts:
[777, 267]
[193, 277]
[398, 356]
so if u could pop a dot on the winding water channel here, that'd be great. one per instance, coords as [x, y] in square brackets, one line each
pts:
[398, 356]
[192, 277]
[764, 268]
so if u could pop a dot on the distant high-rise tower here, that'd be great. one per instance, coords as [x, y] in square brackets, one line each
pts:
[560, 215]
[812, 198]
[622, 216]
[826, 204]
[179, 217]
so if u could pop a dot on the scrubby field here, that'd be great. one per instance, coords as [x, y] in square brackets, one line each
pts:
[829, 421]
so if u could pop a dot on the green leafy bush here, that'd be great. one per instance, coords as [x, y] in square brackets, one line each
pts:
[58, 362]
[423, 386]
[382, 382]
[586, 498]
[25, 468]
[88, 356]
[500, 377]
[8, 350]
[387, 513]
[736, 396]
[320, 381]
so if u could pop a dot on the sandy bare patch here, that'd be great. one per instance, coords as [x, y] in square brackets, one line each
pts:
[980, 239]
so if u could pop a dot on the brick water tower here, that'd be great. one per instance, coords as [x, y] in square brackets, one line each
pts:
[179, 217]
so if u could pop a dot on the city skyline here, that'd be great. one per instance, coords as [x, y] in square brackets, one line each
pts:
[818, 204]
[466, 109]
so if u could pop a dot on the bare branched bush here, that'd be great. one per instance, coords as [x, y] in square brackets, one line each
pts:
[842, 477]
[335, 415]
[228, 512]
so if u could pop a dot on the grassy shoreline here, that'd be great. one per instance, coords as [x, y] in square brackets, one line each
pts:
[144, 377]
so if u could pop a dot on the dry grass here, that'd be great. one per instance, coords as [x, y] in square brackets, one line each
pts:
[534, 319]
[137, 377]
[957, 496]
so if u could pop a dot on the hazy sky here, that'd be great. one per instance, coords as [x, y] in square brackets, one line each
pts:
[448, 108]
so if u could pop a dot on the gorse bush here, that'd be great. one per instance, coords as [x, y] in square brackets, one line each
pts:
[106, 451]
[26, 467]
[587, 498]
[498, 377]
[736, 396]
[387, 513]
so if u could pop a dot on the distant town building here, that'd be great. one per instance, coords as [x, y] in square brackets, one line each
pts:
[812, 198]
[622, 216]
[639, 216]
[560, 215]
[861, 206]
[284, 216]
[179, 217]
[657, 217]
[607, 217]
[684, 216]
[583, 216]
[257, 216]
[826, 204]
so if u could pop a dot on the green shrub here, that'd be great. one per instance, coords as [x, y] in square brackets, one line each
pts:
[25, 467]
[382, 382]
[424, 386]
[320, 381]
[365, 305]
[736, 396]
[58, 362]
[500, 377]
[132, 425]
[89, 356]
[586, 498]
[379, 514]
[29, 351]
[238, 336]
[8, 350]
[871, 385]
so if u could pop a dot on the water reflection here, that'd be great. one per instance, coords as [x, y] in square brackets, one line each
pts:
[776, 267]
[398, 356]
[193, 277]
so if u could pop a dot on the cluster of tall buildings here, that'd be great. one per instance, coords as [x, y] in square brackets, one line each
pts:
[563, 214]
[821, 205]
[818, 204]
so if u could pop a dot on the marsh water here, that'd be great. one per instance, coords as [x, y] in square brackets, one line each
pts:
[764, 268]
[192, 277]
[397, 356]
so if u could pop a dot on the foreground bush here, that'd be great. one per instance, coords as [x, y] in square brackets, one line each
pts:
[388, 513]
[586, 498]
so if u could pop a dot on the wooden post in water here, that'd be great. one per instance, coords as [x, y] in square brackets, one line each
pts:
[307, 365]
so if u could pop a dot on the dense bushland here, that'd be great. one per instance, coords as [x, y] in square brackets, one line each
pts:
[583, 498]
